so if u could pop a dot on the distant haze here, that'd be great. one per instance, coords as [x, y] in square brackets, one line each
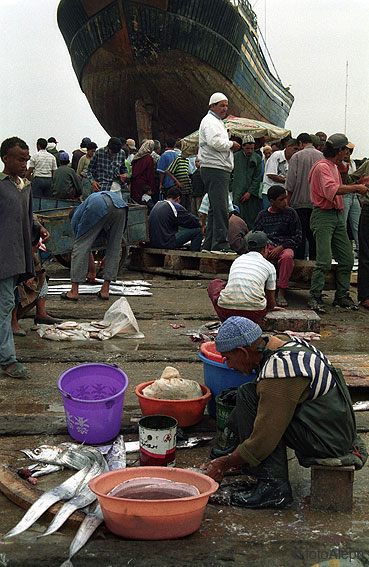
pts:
[310, 42]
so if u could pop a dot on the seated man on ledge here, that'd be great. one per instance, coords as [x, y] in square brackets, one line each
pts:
[298, 399]
[250, 290]
[167, 217]
[283, 228]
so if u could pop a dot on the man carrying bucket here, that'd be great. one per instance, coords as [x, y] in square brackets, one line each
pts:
[298, 400]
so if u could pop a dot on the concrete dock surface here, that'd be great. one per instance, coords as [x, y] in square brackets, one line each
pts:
[31, 414]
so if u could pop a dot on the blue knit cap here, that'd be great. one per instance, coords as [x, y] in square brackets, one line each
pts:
[236, 332]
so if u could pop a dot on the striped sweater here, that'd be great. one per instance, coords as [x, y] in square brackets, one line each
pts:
[308, 362]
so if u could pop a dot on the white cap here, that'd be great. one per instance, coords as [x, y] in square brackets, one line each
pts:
[217, 97]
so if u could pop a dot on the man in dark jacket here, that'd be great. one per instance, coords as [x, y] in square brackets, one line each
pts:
[19, 232]
[298, 399]
[165, 219]
[66, 183]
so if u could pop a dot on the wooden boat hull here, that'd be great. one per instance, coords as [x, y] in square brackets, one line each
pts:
[157, 61]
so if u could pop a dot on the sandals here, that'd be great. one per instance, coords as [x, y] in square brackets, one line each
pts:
[99, 296]
[282, 302]
[18, 370]
[67, 298]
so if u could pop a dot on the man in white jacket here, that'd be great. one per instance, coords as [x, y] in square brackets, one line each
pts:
[216, 165]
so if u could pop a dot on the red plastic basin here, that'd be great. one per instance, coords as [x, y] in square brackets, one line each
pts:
[153, 519]
[209, 351]
[186, 412]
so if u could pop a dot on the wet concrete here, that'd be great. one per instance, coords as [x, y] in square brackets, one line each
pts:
[31, 413]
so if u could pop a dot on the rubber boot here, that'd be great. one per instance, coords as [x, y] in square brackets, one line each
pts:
[273, 489]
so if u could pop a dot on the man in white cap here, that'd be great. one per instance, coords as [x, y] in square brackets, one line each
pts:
[216, 165]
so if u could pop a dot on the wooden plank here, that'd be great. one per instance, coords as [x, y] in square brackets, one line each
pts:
[24, 494]
[355, 368]
[211, 265]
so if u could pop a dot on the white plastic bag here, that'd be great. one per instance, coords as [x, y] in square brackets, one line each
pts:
[170, 386]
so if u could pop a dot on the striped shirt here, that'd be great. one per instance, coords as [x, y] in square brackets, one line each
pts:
[179, 168]
[205, 204]
[249, 275]
[312, 364]
[44, 164]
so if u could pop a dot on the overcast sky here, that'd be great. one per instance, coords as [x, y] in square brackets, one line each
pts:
[310, 42]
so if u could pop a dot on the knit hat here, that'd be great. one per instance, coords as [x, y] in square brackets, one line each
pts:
[236, 332]
[217, 97]
[248, 139]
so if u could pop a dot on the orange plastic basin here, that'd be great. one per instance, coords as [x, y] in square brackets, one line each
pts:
[153, 519]
[186, 412]
[208, 349]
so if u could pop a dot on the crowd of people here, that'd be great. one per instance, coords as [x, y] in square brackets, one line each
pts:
[300, 197]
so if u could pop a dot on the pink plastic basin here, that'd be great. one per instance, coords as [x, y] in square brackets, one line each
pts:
[186, 412]
[153, 519]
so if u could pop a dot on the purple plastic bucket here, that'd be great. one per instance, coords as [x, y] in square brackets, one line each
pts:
[93, 397]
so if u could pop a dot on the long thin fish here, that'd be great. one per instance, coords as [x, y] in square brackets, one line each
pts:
[64, 491]
[116, 459]
[85, 496]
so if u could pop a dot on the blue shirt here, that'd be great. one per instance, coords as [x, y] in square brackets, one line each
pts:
[92, 210]
[164, 162]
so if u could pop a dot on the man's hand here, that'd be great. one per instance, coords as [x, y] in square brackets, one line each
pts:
[123, 177]
[361, 189]
[364, 180]
[203, 228]
[245, 197]
[216, 469]
[95, 186]
[179, 185]
[275, 252]
[236, 146]
[29, 281]
[44, 234]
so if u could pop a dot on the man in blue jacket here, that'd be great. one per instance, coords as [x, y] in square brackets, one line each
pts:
[104, 212]
[165, 219]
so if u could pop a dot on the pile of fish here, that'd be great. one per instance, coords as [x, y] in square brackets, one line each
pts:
[89, 462]
[127, 288]
[73, 331]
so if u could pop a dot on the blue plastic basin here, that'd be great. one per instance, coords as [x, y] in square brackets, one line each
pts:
[218, 377]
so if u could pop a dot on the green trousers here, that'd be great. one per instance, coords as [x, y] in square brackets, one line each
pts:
[331, 239]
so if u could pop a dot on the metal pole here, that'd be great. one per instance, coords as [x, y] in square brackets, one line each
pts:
[347, 64]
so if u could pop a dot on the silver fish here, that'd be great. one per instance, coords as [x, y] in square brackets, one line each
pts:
[85, 496]
[116, 456]
[41, 469]
[190, 443]
[116, 459]
[49, 453]
[64, 491]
